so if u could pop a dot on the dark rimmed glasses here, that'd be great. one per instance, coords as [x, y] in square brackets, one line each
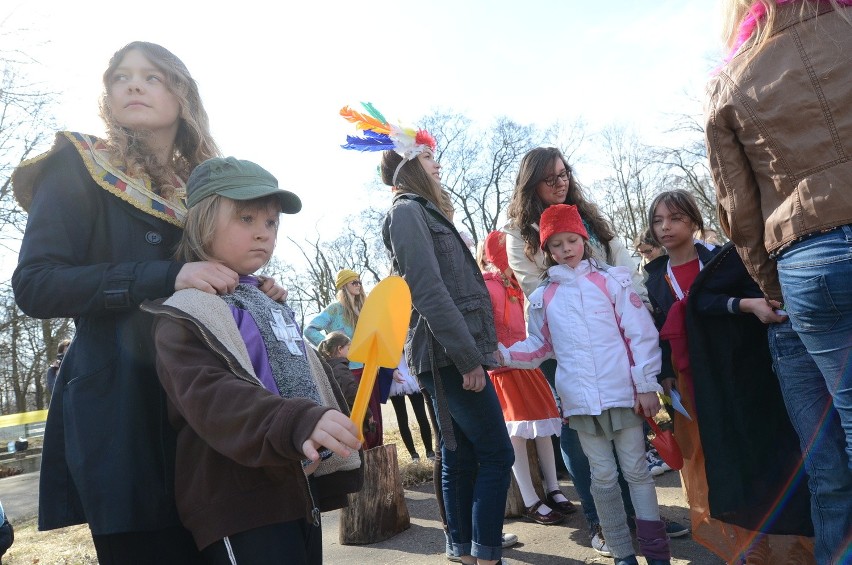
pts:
[563, 176]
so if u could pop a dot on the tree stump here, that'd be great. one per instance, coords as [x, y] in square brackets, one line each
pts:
[378, 511]
[514, 502]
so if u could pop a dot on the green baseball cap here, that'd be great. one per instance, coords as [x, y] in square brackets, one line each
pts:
[238, 180]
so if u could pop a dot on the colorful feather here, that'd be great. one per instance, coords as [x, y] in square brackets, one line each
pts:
[377, 142]
[362, 121]
[373, 112]
[379, 135]
[423, 137]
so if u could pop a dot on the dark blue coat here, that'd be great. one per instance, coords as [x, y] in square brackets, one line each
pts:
[750, 448]
[88, 254]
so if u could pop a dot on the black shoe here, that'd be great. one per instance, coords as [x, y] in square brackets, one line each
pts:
[552, 517]
[565, 507]
[674, 529]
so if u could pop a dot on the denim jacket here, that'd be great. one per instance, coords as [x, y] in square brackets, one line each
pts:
[448, 293]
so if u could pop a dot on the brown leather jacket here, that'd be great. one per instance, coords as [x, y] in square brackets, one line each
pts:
[779, 138]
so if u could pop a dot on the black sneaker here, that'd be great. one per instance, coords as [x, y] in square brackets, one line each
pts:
[674, 529]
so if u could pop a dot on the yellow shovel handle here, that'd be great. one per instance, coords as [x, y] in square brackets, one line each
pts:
[365, 390]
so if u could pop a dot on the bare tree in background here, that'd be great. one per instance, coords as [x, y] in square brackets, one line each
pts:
[26, 345]
[359, 247]
[687, 168]
[638, 172]
[569, 137]
[635, 176]
[26, 127]
[478, 167]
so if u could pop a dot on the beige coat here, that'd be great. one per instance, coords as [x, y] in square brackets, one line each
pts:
[779, 138]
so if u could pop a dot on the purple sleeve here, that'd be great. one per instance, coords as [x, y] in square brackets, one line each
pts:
[256, 349]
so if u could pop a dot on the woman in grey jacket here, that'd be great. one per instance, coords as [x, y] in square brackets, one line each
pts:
[451, 338]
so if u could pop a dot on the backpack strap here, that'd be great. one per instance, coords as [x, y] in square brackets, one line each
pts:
[599, 281]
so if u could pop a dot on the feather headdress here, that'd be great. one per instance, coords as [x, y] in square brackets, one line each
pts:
[379, 135]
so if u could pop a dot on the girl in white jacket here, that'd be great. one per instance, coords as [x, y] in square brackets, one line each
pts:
[607, 348]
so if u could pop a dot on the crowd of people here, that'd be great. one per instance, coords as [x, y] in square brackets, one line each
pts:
[228, 428]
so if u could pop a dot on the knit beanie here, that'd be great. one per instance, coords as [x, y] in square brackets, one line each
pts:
[560, 218]
[343, 277]
[495, 250]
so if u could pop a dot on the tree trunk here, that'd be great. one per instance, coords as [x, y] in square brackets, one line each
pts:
[378, 511]
[514, 502]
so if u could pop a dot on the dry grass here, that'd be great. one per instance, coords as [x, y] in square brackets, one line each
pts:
[73, 545]
[66, 546]
[412, 473]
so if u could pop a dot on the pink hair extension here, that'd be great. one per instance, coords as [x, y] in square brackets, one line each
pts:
[755, 14]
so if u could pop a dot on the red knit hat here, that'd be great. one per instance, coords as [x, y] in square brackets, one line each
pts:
[560, 218]
[495, 250]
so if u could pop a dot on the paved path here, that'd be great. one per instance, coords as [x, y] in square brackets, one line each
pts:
[19, 495]
[423, 542]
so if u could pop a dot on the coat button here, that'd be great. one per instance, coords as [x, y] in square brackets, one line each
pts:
[153, 238]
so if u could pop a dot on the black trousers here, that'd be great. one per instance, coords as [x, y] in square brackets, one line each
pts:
[171, 546]
[294, 543]
[419, 406]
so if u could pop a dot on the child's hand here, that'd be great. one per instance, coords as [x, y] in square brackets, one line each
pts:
[312, 467]
[397, 376]
[334, 431]
[207, 276]
[272, 289]
[647, 404]
[500, 358]
[762, 309]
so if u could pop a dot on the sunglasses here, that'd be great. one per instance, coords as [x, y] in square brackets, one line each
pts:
[358, 283]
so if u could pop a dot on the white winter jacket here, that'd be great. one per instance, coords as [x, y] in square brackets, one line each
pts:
[580, 320]
[528, 271]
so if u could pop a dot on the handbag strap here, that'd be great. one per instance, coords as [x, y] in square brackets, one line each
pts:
[444, 417]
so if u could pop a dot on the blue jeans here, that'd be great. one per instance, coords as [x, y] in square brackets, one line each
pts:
[578, 464]
[815, 276]
[475, 477]
[822, 440]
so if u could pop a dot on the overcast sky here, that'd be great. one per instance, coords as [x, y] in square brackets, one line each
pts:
[273, 75]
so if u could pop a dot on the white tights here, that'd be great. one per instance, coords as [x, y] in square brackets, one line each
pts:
[521, 469]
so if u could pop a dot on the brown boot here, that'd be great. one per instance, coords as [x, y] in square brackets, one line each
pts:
[759, 553]
[801, 552]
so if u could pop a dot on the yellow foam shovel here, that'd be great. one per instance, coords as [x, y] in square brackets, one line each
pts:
[379, 337]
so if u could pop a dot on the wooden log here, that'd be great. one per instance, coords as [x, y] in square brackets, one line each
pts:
[514, 502]
[378, 511]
